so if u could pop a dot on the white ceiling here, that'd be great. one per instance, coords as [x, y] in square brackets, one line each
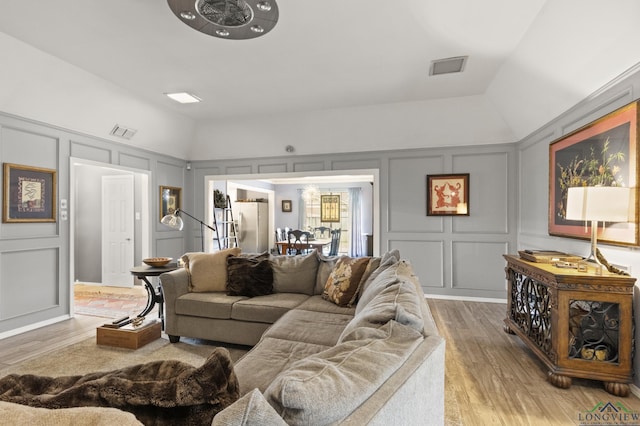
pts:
[529, 61]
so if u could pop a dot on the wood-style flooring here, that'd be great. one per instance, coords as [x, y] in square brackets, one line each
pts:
[497, 380]
[493, 377]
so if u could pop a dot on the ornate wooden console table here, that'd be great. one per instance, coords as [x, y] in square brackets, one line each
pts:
[578, 323]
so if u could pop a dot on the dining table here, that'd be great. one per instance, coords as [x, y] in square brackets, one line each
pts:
[284, 246]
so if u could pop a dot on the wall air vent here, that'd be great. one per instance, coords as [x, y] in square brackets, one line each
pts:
[123, 132]
[448, 65]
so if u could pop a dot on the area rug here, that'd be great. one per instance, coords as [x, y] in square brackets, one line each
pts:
[86, 356]
[108, 301]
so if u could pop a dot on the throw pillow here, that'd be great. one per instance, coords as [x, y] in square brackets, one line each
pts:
[249, 276]
[344, 280]
[295, 274]
[208, 271]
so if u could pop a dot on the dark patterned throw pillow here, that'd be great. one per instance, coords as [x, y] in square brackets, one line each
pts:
[249, 276]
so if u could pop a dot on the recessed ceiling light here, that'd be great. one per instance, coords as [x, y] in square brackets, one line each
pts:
[190, 16]
[183, 97]
[257, 29]
[265, 6]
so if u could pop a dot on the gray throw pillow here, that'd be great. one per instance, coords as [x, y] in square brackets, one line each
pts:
[295, 274]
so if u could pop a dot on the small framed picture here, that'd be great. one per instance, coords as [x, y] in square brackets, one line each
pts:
[448, 195]
[286, 206]
[29, 194]
[170, 200]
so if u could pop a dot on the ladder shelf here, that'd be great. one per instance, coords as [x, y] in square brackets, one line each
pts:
[226, 230]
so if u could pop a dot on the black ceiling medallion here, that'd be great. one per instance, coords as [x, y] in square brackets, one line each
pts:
[231, 19]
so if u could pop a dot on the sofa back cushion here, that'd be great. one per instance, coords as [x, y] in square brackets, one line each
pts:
[326, 387]
[398, 301]
[294, 274]
[383, 276]
[208, 271]
[325, 267]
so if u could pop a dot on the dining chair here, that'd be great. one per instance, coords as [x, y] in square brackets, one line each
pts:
[280, 236]
[297, 236]
[335, 242]
[320, 231]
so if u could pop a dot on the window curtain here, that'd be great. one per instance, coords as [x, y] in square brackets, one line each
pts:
[302, 209]
[356, 222]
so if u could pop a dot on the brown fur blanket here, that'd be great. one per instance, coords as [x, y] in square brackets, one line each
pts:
[158, 393]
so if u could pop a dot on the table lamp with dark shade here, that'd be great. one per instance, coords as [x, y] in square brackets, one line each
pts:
[598, 204]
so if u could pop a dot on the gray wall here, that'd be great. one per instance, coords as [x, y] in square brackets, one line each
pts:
[453, 256]
[35, 280]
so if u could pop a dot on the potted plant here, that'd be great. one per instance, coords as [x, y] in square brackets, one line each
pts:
[219, 199]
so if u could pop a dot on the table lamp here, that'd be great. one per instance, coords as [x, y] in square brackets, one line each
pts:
[598, 204]
[174, 221]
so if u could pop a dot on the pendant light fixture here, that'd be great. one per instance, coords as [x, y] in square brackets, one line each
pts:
[231, 19]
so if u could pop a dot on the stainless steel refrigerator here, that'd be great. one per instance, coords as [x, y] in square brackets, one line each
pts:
[253, 226]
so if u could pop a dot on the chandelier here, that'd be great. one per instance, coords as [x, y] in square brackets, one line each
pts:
[310, 193]
[232, 19]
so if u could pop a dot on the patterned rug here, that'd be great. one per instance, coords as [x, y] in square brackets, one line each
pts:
[109, 301]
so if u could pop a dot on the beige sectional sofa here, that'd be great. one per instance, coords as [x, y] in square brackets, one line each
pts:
[377, 360]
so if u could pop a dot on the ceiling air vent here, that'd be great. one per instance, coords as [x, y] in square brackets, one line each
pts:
[123, 132]
[448, 65]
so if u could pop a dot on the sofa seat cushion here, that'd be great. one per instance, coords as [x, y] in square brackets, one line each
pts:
[260, 366]
[319, 328]
[209, 305]
[267, 309]
[326, 387]
[319, 304]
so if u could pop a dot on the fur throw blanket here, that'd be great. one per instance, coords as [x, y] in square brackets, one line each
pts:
[158, 393]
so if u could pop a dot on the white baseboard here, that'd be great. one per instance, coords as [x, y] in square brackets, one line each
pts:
[30, 327]
[466, 298]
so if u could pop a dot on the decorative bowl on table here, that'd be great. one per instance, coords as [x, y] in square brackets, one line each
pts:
[157, 262]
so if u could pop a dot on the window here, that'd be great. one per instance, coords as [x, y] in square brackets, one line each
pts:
[336, 205]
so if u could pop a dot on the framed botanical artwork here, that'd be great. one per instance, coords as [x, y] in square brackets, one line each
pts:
[170, 200]
[601, 153]
[329, 208]
[448, 195]
[29, 194]
[286, 206]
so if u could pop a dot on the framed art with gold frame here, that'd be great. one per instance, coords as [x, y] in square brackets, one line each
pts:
[170, 200]
[29, 194]
[601, 153]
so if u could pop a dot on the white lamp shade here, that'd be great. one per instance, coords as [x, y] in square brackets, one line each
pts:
[173, 221]
[600, 203]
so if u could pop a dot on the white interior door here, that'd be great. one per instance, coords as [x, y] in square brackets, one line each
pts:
[117, 230]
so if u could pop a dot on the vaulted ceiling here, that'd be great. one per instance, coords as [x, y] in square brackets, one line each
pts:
[335, 75]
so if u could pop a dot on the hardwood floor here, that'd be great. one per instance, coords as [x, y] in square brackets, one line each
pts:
[493, 377]
[497, 380]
